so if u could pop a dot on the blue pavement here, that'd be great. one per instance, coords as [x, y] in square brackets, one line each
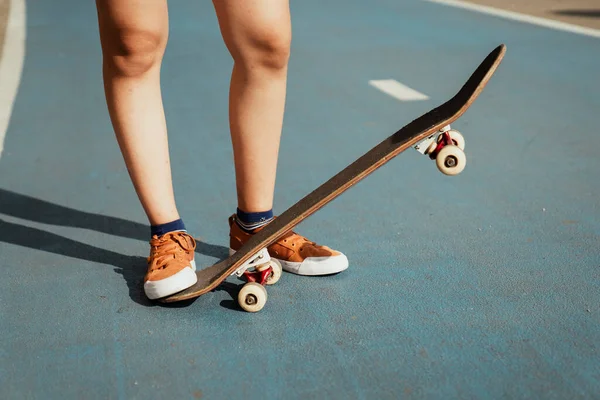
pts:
[484, 285]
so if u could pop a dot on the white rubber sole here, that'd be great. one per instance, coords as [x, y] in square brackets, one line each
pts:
[313, 266]
[173, 284]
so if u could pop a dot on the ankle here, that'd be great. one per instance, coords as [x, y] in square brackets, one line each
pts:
[249, 222]
[161, 229]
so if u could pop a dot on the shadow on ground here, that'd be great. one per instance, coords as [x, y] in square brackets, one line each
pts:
[133, 268]
[231, 304]
[578, 13]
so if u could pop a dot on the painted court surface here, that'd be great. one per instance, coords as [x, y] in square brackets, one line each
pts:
[484, 285]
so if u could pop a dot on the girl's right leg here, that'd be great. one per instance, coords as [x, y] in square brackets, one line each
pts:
[133, 35]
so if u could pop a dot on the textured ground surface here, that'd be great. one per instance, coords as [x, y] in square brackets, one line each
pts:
[476, 286]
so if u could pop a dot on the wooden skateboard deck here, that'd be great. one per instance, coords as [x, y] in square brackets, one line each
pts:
[411, 135]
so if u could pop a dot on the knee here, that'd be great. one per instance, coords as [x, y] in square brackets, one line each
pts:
[133, 52]
[268, 49]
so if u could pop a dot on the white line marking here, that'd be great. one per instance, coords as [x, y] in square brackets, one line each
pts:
[11, 63]
[547, 23]
[397, 90]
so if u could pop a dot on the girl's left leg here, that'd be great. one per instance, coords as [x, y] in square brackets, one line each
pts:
[258, 36]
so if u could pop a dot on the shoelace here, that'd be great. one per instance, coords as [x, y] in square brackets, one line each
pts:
[166, 247]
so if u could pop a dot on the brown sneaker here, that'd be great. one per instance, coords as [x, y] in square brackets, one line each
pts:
[171, 266]
[296, 254]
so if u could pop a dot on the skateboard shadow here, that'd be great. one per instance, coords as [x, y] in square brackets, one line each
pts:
[231, 288]
[588, 13]
[133, 268]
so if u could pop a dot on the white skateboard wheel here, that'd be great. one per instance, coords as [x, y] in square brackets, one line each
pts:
[451, 160]
[276, 274]
[432, 146]
[456, 137]
[252, 297]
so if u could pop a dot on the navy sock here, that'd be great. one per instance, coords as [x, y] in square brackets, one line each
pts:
[254, 220]
[161, 229]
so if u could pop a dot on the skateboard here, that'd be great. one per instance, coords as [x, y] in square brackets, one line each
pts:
[430, 135]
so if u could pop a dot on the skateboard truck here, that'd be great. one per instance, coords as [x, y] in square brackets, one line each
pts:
[259, 270]
[262, 257]
[446, 147]
[263, 270]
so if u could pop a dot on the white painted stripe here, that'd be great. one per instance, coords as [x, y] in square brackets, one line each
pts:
[397, 90]
[515, 16]
[11, 63]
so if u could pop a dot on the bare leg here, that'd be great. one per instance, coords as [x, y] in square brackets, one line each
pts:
[258, 36]
[134, 35]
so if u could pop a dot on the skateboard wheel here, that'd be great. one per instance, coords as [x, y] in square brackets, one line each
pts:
[451, 160]
[456, 137]
[276, 274]
[431, 148]
[252, 297]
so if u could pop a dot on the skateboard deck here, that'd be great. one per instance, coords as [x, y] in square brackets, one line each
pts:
[428, 134]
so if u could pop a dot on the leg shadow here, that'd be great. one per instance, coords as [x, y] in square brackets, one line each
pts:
[32, 209]
[133, 268]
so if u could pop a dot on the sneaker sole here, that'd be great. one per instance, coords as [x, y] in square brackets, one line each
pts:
[173, 284]
[314, 266]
